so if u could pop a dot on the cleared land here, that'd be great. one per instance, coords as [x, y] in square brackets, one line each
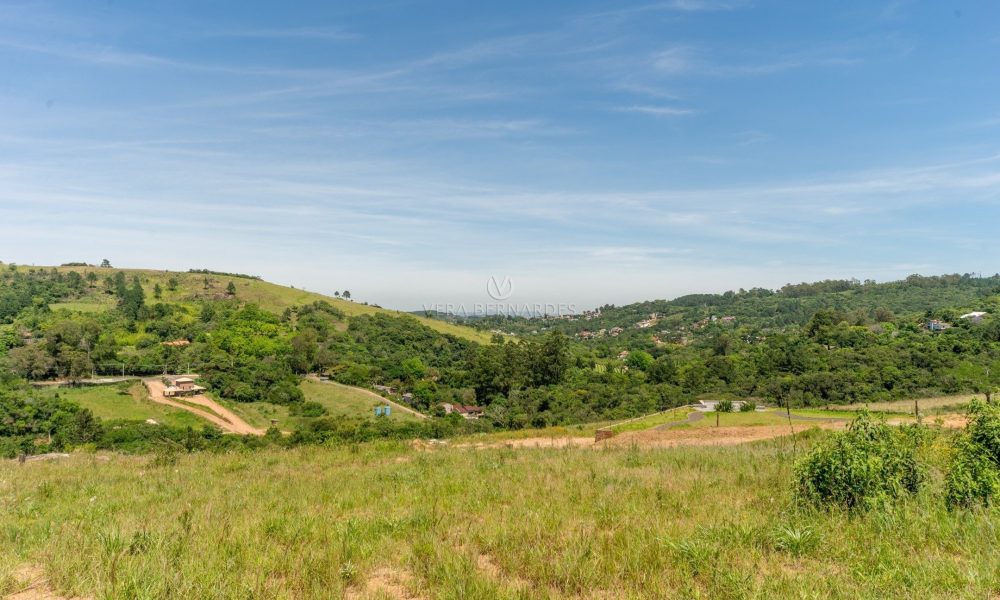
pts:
[352, 401]
[340, 401]
[621, 522]
[130, 402]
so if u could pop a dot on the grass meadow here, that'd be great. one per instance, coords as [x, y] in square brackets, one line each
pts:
[130, 402]
[340, 401]
[388, 521]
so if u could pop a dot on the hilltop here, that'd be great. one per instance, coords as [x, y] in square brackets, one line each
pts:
[198, 285]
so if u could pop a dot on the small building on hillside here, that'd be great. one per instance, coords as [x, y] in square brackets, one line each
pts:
[182, 386]
[936, 325]
[467, 412]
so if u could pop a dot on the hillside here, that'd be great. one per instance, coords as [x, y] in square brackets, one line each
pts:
[253, 343]
[193, 287]
[916, 297]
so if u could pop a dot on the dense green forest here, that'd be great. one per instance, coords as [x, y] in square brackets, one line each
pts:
[806, 345]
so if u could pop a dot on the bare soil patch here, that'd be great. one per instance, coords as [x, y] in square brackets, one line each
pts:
[36, 585]
[385, 583]
[203, 407]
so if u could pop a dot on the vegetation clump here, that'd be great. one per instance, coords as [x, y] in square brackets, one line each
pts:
[973, 477]
[869, 465]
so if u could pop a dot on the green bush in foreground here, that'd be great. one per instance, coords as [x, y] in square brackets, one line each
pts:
[974, 474]
[866, 466]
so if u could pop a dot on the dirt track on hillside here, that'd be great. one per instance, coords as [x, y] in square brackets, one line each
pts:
[211, 411]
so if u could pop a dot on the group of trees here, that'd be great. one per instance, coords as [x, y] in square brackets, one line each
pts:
[30, 423]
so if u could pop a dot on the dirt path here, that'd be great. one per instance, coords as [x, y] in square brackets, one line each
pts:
[693, 417]
[212, 411]
[37, 586]
[373, 395]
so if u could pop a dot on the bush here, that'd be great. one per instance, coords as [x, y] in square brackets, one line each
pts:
[868, 465]
[973, 476]
[748, 406]
[307, 409]
[285, 392]
[724, 406]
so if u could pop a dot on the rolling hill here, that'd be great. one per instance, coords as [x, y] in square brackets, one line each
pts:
[192, 287]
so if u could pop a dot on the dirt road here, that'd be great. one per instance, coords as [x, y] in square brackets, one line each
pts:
[204, 407]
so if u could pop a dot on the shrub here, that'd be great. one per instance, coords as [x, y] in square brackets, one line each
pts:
[748, 406]
[725, 406]
[973, 476]
[307, 409]
[795, 540]
[868, 465]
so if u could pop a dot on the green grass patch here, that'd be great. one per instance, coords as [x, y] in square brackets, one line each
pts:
[674, 416]
[740, 419]
[340, 401]
[83, 307]
[130, 402]
[345, 401]
[820, 413]
[384, 520]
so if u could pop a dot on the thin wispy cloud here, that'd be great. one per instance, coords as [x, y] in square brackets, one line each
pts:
[658, 145]
[659, 111]
[289, 33]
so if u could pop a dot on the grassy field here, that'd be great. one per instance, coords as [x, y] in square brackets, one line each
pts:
[585, 430]
[269, 296]
[340, 401]
[345, 401]
[651, 421]
[947, 403]
[820, 413]
[387, 521]
[84, 307]
[740, 419]
[125, 402]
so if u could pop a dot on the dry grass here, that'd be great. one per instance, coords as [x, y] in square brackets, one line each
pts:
[936, 403]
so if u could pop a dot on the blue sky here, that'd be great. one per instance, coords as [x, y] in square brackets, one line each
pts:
[591, 151]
